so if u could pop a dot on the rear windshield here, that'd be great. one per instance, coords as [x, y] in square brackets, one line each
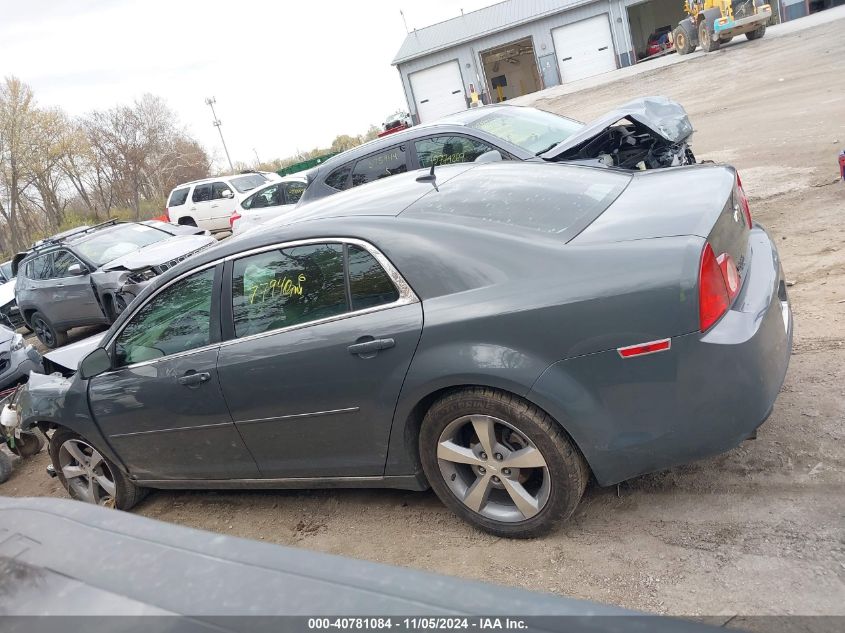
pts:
[547, 198]
[248, 182]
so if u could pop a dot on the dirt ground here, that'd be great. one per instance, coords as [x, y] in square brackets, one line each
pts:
[760, 530]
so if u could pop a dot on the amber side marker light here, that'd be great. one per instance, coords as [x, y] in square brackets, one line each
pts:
[651, 347]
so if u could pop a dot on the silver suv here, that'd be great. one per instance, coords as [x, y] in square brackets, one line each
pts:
[89, 275]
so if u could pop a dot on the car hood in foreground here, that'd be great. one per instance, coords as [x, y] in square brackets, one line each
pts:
[160, 252]
[7, 292]
[662, 116]
[69, 356]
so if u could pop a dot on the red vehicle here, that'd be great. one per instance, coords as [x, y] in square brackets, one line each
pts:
[659, 41]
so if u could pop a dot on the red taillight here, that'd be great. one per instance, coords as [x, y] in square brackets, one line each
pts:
[713, 299]
[232, 218]
[743, 201]
[729, 274]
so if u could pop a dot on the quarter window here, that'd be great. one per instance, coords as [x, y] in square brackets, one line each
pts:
[368, 283]
[287, 287]
[445, 150]
[339, 178]
[202, 193]
[176, 320]
[381, 165]
[178, 197]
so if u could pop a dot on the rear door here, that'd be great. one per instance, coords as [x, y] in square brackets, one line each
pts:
[316, 357]
[200, 206]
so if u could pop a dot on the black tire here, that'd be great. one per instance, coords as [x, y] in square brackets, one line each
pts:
[187, 221]
[708, 44]
[49, 336]
[5, 467]
[567, 471]
[127, 494]
[757, 33]
[682, 40]
[29, 443]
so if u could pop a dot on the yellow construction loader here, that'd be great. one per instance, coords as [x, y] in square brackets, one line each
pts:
[711, 23]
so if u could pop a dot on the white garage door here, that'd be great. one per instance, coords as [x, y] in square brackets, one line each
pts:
[438, 91]
[584, 48]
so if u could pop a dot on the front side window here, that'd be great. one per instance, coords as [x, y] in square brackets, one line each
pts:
[446, 150]
[178, 197]
[62, 260]
[286, 287]
[176, 320]
[202, 193]
[293, 191]
[339, 178]
[268, 197]
[217, 190]
[381, 165]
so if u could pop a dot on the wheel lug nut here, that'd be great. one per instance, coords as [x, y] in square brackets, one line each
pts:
[483, 455]
[482, 470]
[506, 471]
[498, 457]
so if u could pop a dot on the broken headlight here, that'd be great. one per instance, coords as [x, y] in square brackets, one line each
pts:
[142, 276]
[18, 342]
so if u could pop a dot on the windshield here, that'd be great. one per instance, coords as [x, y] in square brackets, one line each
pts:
[6, 270]
[106, 246]
[248, 182]
[533, 130]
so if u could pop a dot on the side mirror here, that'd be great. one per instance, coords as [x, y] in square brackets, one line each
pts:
[492, 156]
[75, 270]
[94, 364]
[227, 193]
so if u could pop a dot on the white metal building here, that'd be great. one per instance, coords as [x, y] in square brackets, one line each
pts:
[520, 46]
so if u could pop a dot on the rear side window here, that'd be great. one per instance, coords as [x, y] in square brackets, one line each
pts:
[40, 267]
[287, 287]
[382, 165]
[339, 178]
[178, 197]
[202, 193]
[446, 150]
[369, 284]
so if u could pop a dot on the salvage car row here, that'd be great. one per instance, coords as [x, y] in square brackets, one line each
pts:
[499, 325]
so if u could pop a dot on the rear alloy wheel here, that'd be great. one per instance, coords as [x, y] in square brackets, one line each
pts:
[46, 333]
[500, 463]
[706, 39]
[88, 475]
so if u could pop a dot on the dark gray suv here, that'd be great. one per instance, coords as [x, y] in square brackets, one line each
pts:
[89, 275]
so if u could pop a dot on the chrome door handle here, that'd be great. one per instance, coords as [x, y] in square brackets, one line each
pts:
[371, 347]
[193, 379]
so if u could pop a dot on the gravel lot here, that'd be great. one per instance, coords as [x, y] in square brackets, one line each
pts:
[758, 531]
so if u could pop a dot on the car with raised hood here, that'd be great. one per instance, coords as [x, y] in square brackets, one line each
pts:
[268, 203]
[500, 332]
[643, 134]
[89, 275]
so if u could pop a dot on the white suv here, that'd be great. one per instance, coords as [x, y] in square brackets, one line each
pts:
[209, 203]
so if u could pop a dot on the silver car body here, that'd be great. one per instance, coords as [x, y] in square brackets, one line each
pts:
[17, 358]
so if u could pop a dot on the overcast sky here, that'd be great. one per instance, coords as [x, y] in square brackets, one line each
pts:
[287, 75]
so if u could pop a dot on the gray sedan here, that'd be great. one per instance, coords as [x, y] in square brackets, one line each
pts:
[500, 332]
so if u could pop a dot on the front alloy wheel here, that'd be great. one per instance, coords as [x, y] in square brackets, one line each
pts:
[493, 469]
[87, 474]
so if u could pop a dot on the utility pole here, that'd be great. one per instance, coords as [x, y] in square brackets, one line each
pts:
[404, 21]
[257, 160]
[216, 123]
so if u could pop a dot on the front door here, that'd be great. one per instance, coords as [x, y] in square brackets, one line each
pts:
[317, 358]
[73, 297]
[161, 407]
